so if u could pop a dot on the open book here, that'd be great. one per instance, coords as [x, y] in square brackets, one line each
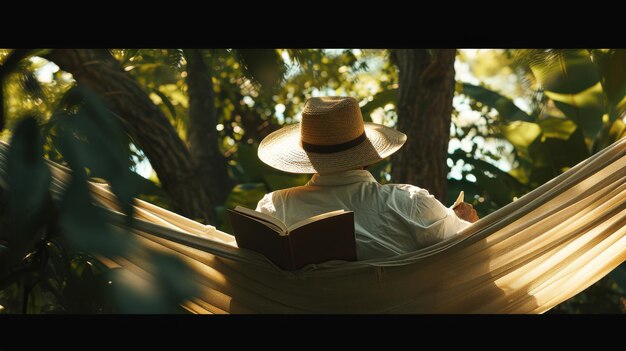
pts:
[325, 237]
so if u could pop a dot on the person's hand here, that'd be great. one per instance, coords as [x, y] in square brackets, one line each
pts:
[466, 211]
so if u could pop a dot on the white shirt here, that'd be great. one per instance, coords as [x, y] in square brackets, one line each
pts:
[390, 219]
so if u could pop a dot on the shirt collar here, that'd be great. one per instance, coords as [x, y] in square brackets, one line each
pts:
[342, 178]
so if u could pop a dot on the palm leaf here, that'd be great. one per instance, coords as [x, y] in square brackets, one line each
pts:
[572, 81]
[263, 66]
[613, 68]
[505, 107]
[567, 72]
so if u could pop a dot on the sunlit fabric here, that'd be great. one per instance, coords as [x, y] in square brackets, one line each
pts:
[524, 258]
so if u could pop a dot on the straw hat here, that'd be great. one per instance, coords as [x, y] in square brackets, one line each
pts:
[332, 137]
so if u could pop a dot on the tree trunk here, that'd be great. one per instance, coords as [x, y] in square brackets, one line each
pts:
[202, 135]
[99, 71]
[426, 88]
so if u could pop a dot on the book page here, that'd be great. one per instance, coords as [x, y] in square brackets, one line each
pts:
[277, 224]
[269, 225]
[459, 199]
[315, 218]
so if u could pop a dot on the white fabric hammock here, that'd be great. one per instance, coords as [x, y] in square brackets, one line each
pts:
[524, 258]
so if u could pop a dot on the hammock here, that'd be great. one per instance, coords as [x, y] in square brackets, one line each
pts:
[526, 257]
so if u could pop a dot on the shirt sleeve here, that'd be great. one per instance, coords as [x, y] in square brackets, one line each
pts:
[266, 205]
[433, 222]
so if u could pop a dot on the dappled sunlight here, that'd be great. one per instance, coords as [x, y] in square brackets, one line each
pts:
[534, 261]
[118, 168]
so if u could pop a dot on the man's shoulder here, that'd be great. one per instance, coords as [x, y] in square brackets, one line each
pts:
[279, 194]
[405, 190]
[294, 189]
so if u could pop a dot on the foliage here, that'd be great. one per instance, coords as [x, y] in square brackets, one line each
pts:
[77, 132]
[580, 111]
[49, 239]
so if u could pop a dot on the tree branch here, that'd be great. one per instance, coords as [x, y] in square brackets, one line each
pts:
[145, 122]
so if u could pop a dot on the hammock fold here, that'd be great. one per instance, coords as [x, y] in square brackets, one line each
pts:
[526, 257]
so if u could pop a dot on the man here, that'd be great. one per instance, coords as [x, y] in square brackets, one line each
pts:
[333, 142]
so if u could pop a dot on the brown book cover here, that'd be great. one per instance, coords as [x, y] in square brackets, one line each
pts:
[329, 236]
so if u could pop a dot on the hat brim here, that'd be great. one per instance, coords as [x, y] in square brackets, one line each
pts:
[282, 150]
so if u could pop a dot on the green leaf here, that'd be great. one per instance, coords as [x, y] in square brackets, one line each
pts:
[589, 119]
[138, 294]
[255, 171]
[520, 174]
[552, 156]
[253, 168]
[174, 278]
[495, 187]
[247, 195]
[389, 96]
[521, 135]
[559, 128]
[613, 68]
[485, 167]
[619, 276]
[505, 107]
[28, 176]
[263, 66]
[86, 225]
[617, 131]
[585, 107]
[90, 136]
[570, 72]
